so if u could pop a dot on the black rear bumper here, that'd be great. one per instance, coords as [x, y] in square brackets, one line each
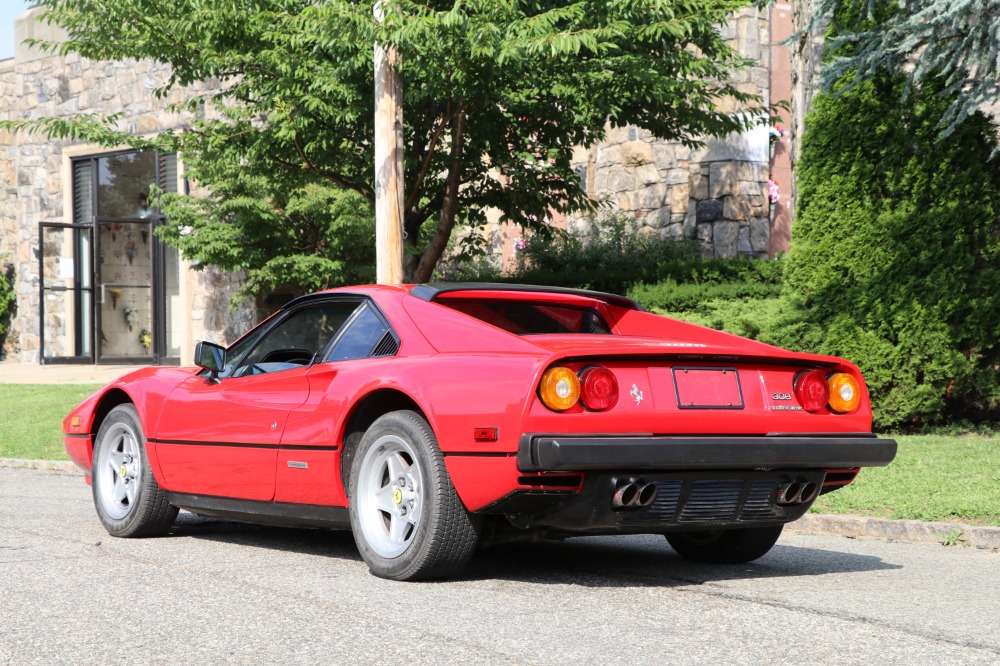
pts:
[578, 453]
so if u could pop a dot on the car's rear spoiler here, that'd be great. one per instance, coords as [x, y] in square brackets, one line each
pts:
[430, 291]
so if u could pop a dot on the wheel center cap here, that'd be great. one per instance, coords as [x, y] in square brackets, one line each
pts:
[397, 496]
[123, 471]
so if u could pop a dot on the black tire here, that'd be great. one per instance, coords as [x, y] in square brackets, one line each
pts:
[408, 522]
[725, 546]
[127, 497]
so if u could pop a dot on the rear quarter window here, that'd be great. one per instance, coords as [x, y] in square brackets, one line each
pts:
[528, 318]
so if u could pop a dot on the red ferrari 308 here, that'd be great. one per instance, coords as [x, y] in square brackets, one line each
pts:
[433, 418]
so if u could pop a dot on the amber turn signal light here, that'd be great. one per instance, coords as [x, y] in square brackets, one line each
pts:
[560, 388]
[845, 392]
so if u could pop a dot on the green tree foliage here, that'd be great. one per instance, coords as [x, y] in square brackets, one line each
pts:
[289, 241]
[496, 93]
[952, 43]
[895, 254]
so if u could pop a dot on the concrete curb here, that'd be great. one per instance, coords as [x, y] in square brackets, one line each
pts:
[65, 466]
[912, 531]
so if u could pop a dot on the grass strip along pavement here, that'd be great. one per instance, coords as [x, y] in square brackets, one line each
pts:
[934, 477]
[31, 418]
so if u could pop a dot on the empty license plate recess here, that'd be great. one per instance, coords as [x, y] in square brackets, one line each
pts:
[707, 388]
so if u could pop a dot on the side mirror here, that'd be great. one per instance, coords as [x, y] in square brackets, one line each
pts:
[210, 356]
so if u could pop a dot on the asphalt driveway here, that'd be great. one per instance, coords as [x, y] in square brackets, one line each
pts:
[218, 592]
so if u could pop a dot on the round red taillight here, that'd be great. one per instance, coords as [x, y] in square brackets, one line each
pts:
[812, 390]
[598, 388]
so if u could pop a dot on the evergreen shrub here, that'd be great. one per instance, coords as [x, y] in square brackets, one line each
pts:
[895, 254]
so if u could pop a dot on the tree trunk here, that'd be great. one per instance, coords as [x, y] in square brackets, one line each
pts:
[446, 221]
[388, 163]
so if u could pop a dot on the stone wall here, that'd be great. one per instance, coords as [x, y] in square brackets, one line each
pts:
[8, 197]
[715, 195]
[32, 180]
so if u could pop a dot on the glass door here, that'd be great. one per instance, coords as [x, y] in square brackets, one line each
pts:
[67, 294]
[125, 279]
[110, 290]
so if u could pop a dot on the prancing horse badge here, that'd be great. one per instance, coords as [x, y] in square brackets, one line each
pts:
[637, 394]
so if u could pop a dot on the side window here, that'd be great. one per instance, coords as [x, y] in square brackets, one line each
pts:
[295, 340]
[360, 338]
[236, 351]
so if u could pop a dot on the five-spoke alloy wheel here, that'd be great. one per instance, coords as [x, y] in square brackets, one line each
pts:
[389, 503]
[408, 521]
[129, 502]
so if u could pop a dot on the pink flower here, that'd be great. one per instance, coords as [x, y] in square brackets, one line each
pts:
[772, 191]
[520, 244]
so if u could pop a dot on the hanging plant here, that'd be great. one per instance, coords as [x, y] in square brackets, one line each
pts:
[145, 339]
[131, 317]
[115, 293]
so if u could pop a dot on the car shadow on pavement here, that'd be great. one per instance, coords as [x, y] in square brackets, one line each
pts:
[623, 561]
[306, 541]
[647, 561]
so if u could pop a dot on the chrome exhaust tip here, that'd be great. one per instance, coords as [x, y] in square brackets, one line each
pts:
[789, 493]
[647, 494]
[809, 492]
[625, 496]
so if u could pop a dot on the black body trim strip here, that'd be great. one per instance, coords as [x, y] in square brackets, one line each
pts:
[268, 513]
[73, 435]
[244, 445]
[577, 453]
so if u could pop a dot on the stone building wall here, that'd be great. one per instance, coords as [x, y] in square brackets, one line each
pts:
[8, 196]
[33, 177]
[715, 195]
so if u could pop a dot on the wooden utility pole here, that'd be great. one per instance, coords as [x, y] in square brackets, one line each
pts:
[388, 163]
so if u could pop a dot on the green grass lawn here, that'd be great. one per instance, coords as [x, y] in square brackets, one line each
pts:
[31, 418]
[934, 477]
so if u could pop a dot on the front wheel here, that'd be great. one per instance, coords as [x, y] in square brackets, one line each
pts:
[128, 500]
[725, 546]
[408, 522]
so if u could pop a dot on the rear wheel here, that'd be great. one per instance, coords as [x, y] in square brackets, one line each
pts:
[128, 500]
[408, 521]
[725, 546]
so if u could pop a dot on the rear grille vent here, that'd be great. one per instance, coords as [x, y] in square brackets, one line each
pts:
[668, 497]
[707, 500]
[760, 501]
[387, 346]
[712, 500]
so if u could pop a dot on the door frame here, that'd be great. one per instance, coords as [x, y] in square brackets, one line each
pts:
[91, 225]
[77, 290]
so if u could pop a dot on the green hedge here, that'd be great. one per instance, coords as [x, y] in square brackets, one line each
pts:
[7, 298]
[614, 258]
[674, 297]
[895, 254]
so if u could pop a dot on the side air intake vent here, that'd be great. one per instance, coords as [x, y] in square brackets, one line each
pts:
[387, 346]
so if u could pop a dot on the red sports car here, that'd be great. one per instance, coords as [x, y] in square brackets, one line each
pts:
[432, 418]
